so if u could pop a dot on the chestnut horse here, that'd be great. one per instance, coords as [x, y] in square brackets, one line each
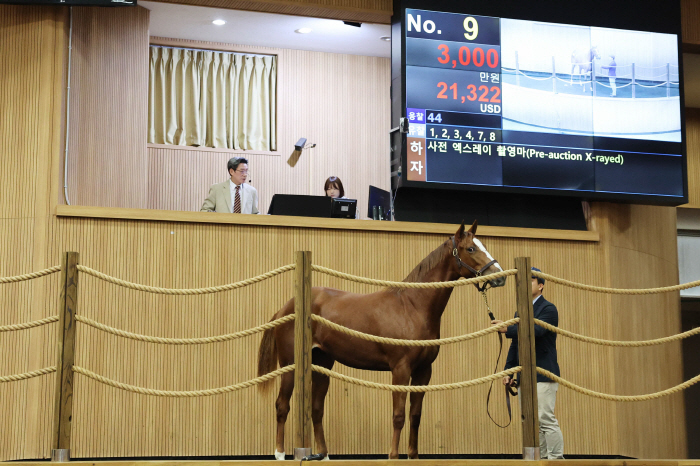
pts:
[411, 314]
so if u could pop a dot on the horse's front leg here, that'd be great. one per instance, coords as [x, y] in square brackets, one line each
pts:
[400, 376]
[420, 376]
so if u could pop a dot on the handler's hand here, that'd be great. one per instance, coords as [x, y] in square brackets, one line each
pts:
[506, 381]
[496, 322]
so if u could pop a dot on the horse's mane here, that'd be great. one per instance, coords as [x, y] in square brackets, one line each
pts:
[426, 265]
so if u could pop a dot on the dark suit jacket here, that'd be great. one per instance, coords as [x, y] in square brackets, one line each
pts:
[545, 341]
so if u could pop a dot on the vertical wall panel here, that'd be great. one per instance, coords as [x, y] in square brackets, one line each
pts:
[109, 107]
[31, 72]
[637, 249]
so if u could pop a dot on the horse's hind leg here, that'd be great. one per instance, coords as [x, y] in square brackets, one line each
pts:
[420, 376]
[400, 376]
[282, 405]
[319, 389]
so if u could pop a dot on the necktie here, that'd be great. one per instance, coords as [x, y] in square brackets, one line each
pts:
[237, 201]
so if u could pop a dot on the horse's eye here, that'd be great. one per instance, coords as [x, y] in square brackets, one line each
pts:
[470, 250]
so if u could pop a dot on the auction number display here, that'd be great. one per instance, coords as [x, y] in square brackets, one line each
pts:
[521, 104]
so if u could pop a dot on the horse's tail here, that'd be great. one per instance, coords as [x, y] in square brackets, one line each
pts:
[267, 358]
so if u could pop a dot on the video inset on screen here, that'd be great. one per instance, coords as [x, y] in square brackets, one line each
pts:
[590, 81]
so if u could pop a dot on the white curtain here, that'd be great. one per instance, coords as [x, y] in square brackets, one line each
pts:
[212, 99]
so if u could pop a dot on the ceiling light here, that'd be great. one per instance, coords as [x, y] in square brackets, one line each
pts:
[303, 30]
[385, 38]
[219, 22]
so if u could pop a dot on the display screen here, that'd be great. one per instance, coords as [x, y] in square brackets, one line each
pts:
[526, 105]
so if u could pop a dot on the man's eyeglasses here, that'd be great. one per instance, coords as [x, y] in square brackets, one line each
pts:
[242, 172]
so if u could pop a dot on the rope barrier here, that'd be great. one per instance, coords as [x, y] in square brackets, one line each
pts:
[649, 87]
[608, 397]
[415, 388]
[30, 276]
[183, 394]
[390, 284]
[185, 291]
[599, 341]
[184, 341]
[602, 289]
[533, 78]
[399, 342]
[616, 87]
[35, 323]
[28, 375]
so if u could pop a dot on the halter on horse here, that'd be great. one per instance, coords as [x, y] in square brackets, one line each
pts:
[409, 314]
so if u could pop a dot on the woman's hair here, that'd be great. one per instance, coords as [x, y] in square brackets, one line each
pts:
[334, 182]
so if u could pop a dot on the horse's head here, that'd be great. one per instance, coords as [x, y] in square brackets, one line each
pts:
[594, 52]
[472, 258]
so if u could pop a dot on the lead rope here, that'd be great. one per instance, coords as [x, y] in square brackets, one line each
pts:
[509, 389]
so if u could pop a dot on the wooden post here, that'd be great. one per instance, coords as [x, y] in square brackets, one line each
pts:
[63, 410]
[526, 356]
[302, 349]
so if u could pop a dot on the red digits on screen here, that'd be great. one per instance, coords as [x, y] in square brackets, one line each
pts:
[465, 56]
[473, 93]
[479, 57]
[492, 58]
[496, 92]
[445, 53]
[441, 94]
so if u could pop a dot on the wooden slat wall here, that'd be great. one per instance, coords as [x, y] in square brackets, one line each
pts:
[633, 245]
[340, 102]
[110, 422]
[31, 73]
[692, 134]
[637, 248]
[109, 107]
[370, 11]
[690, 18]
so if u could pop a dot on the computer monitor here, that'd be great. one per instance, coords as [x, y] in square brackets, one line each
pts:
[343, 208]
[300, 206]
[379, 197]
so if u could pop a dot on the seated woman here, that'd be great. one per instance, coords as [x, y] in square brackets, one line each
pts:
[334, 188]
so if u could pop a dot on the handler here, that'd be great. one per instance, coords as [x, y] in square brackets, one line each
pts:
[551, 439]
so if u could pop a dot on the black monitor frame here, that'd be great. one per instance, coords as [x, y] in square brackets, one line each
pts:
[618, 14]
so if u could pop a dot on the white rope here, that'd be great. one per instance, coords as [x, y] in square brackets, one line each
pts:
[658, 85]
[535, 79]
[616, 87]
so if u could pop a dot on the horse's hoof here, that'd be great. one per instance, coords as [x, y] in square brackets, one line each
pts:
[326, 458]
[279, 455]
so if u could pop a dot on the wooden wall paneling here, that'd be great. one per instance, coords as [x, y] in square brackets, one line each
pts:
[643, 238]
[333, 100]
[690, 18]
[109, 107]
[31, 61]
[692, 133]
[369, 11]
[187, 255]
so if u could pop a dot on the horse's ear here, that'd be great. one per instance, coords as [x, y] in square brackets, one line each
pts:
[472, 230]
[460, 231]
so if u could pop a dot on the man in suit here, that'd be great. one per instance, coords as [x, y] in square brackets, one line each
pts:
[233, 195]
[551, 439]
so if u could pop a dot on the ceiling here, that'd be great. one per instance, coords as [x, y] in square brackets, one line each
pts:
[327, 35]
[266, 29]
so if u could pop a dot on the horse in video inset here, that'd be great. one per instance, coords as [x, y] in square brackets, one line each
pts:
[583, 60]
